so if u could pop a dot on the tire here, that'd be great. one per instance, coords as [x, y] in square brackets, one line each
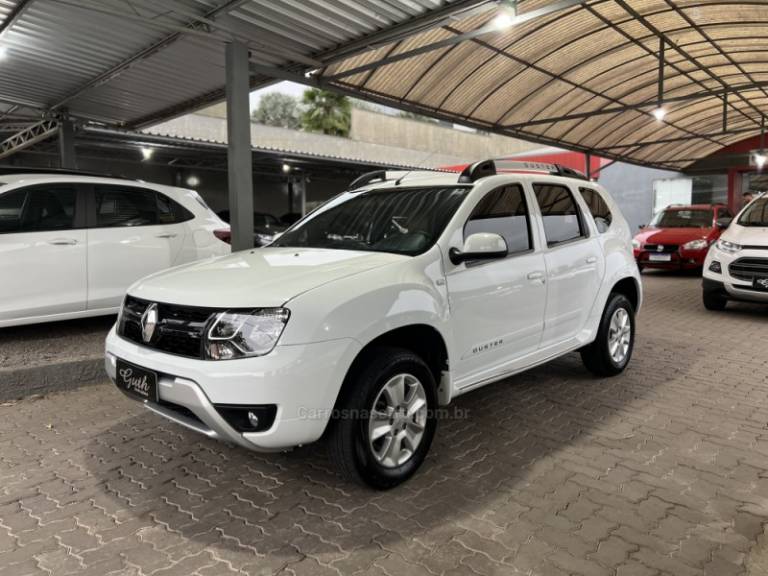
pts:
[714, 301]
[597, 357]
[349, 442]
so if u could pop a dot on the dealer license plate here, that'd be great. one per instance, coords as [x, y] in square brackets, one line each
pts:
[660, 257]
[136, 382]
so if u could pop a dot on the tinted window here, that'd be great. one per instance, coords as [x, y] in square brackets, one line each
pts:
[49, 208]
[11, 206]
[170, 211]
[502, 211]
[756, 214]
[117, 206]
[598, 208]
[559, 212]
[400, 220]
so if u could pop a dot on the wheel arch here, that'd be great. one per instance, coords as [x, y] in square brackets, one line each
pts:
[630, 288]
[422, 339]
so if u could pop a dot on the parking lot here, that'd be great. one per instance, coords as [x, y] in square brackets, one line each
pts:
[658, 471]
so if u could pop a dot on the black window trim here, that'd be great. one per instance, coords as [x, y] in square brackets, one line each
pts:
[80, 222]
[92, 217]
[595, 191]
[531, 239]
[584, 230]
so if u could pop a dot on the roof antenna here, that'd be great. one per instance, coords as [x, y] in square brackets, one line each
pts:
[419, 163]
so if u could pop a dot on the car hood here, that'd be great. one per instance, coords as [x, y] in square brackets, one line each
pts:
[673, 235]
[747, 235]
[264, 277]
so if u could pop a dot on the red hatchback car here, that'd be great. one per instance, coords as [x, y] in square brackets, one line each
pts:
[679, 237]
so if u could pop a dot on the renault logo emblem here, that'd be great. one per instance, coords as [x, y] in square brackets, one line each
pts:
[149, 322]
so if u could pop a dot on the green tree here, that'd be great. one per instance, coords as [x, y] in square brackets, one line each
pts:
[326, 112]
[277, 109]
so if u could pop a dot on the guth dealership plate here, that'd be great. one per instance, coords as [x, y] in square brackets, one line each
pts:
[136, 382]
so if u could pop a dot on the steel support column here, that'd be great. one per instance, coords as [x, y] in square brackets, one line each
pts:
[67, 143]
[239, 156]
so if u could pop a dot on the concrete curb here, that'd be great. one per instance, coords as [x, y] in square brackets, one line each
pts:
[20, 381]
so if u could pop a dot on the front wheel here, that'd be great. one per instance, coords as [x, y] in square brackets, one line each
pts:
[714, 301]
[385, 421]
[611, 351]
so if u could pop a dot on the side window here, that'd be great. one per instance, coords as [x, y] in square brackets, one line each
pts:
[598, 208]
[123, 206]
[504, 212]
[11, 208]
[559, 212]
[170, 211]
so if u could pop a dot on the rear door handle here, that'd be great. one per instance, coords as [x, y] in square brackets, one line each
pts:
[591, 259]
[536, 276]
[62, 242]
[169, 235]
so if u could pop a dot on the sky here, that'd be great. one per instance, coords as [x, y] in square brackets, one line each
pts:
[285, 87]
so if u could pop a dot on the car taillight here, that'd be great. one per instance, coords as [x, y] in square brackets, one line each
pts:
[223, 235]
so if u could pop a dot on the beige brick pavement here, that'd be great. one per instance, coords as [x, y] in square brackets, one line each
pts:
[663, 470]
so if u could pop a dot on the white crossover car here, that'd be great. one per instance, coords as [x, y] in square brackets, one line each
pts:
[385, 303]
[71, 244]
[736, 267]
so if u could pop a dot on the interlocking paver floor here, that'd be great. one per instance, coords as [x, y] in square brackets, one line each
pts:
[663, 470]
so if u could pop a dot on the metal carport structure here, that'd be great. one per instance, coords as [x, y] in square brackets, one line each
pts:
[588, 75]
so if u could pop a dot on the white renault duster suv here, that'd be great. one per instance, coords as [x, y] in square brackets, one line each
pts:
[385, 303]
[736, 267]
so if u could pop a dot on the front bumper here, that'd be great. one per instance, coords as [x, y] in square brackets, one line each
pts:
[679, 260]
[726, 285]
[303, 381]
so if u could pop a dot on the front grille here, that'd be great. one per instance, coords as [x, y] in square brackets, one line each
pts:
[665, 248]
[179, 330]
[749, 268]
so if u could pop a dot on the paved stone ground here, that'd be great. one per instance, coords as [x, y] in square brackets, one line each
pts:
[663, 470]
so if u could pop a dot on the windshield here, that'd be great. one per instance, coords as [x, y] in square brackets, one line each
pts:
[400, 220]
[683, 219]
[756, 213]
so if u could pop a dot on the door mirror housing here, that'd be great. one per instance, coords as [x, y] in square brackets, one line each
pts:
[480, 246]
[724, 221]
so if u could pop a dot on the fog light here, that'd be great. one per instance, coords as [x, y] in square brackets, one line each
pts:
[253, 419]
[715, 267]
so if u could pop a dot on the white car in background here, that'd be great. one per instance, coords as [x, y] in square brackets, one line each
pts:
[736, 267]
[70, 244]
[389, 300]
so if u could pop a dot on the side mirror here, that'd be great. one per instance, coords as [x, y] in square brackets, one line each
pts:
[724, 221]
[480, 246]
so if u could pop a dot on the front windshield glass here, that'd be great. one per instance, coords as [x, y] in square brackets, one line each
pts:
[756, 213]
[683, 219]
[400, 220]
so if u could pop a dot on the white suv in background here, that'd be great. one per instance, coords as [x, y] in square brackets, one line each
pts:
[386, 302]
[71, 244]
[736, 267]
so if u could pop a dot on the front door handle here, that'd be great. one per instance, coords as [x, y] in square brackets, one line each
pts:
[536, 276]
[169, 235]
[62, 242]
[591, 259]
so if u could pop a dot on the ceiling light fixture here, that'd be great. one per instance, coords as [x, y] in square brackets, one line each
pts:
[760, 160]
[503, 20]
[147, 153]
[659, 113]
[286, 168]
[193, 181]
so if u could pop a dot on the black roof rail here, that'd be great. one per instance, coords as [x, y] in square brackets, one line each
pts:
[367, 178]
[5, 170]
[485, 168]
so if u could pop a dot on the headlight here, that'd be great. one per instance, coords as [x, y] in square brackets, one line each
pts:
[637, 244]
[728, 247]
[242, 334]
[696, 245]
